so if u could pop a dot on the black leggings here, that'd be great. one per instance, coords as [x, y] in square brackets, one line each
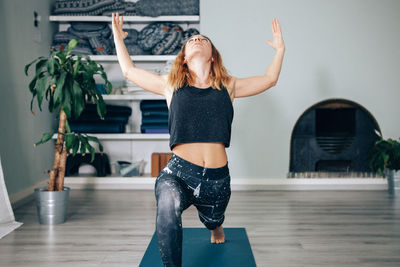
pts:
[180, 184]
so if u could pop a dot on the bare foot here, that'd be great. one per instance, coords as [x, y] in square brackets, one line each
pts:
[218, 235]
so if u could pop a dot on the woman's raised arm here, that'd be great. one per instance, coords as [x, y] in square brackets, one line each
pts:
[141, 77]
[257, 84]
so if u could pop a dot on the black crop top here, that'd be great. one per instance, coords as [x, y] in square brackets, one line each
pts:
[200, 115]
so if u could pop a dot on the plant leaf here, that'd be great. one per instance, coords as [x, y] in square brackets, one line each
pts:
[51, 103]
[58, 91]
[32, 84]
[92, 151]
[40, 64]
[78, 100]
[76, 65]
[67, 126]
[66, 103]
[40, 90]
[75, 145]
[50, 64]
[69, 140]
[33, 98]
[95, 139]
[46, 137]
[28, 65]
[83, 144]
[71, 45]
[109, 87]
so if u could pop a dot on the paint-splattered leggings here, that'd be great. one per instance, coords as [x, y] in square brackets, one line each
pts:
[180, 184]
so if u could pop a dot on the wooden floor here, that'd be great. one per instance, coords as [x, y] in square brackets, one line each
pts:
[285, 228]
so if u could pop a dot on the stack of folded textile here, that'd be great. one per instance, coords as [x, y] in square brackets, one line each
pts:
[96, 38]
[62, 38]
[158, 38]
[163, 38]
[89, 121]
[154, 8]
[154, 116]
[93, 7]
[131, 43]
[150, 8]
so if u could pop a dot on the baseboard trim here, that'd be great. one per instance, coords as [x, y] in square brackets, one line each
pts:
[238, 183]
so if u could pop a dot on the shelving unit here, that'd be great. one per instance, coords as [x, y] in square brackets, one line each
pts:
[133, 145]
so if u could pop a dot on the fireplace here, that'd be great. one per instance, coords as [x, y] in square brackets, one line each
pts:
[332, 139]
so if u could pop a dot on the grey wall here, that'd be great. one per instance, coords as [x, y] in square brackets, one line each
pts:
[334, 49]
[23, 165]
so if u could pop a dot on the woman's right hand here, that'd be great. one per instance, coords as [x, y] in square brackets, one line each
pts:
[117, 27]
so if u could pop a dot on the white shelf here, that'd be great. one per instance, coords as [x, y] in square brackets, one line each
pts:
[135, 19]
[137, 97]
[137, 58]
[127, 136]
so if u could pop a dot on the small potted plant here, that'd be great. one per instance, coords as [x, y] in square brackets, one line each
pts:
[384, 158]
[67, 82]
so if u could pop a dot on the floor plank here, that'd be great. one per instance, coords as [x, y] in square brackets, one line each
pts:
[285, 228]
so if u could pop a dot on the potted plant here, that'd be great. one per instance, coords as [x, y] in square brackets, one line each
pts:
[384, 157]
[67, 82]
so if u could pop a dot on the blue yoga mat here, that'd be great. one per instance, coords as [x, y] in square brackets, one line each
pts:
[197, 251]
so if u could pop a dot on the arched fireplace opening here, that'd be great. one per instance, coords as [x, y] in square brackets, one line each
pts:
[332, 139]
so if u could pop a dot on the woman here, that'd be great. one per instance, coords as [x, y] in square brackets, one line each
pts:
[199, 95]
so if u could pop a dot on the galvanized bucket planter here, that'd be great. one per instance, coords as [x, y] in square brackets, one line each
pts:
[51, 205]
[393, 179]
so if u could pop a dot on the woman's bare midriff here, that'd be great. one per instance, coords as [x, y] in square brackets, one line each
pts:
[205, 154]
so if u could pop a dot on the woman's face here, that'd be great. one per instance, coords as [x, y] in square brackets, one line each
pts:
[198, 45]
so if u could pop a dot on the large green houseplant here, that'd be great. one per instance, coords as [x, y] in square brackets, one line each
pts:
[384, 158]
[67, 82]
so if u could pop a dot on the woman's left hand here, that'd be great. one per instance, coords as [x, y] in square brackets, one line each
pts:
[277, 42]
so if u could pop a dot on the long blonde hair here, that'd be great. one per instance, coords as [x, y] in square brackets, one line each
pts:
[181, 75]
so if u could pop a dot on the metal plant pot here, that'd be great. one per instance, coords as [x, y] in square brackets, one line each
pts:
[51, 205]
[393, 178]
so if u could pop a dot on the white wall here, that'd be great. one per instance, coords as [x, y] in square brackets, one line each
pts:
[334, 49]
[23, 165]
